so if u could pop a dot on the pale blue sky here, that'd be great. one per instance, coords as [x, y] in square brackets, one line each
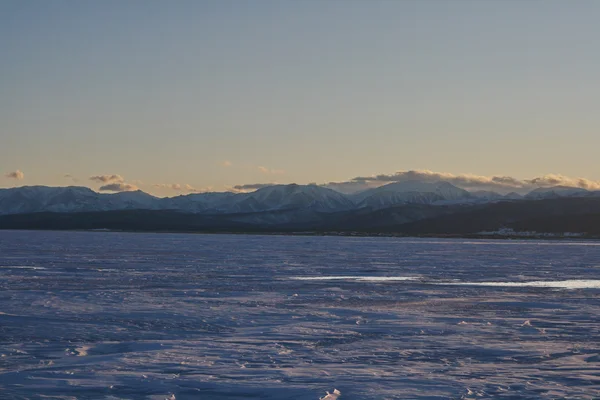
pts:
[314, 91]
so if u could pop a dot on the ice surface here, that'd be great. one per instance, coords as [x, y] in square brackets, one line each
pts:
[100, 315]
[564, 284]
[355, 278]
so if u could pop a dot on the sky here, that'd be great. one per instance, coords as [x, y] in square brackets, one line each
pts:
[187, 95]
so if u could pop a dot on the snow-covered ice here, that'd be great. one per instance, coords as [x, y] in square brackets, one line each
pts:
[101, 315]
[561, 284]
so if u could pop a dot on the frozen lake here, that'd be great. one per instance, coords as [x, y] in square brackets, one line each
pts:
[99, 315]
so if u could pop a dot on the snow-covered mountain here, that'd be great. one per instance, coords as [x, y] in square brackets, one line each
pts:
[213, 202]
[513, 196]
[304, 200]
[555, 192]
[283, 197]
[411, 192]
[487, 195]
[270, 198]
[130, 201]
[30, 199]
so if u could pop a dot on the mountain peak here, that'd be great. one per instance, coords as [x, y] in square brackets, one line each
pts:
[279, 197]
[556, 191]
[412, 191]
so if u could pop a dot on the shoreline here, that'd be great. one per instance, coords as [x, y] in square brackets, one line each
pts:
[546, 236]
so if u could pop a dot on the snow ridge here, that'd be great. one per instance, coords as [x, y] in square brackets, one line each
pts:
[314, 198]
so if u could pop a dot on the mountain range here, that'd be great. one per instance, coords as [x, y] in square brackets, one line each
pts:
[32, 199]
[412, 206]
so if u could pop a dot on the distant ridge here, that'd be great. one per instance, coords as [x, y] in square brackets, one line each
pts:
[304, 200]
[580, 215]
[444, 210]
[555, 192]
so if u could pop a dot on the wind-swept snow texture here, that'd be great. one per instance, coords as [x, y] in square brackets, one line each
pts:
[101, 315]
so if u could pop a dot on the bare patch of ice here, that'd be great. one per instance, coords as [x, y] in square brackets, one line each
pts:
[355, 278]
[566, 284]
[530, 243]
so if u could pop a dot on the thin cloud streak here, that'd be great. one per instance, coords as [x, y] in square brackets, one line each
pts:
[107, 178]
[187, 188]
[269, 171]
[71, 177]
[470, 182]
[251, 187]
[118, 187]
[18, 175]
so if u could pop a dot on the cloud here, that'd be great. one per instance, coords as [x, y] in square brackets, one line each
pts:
[181, 187]
[71, 177]
[226, 164]
[251, 187]
[561, 180]
[269, 171]
[191, 189]
[118, 187]
[107, 178]
[18, 175]
[173, 186]
[471, 182]
[351, 186]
